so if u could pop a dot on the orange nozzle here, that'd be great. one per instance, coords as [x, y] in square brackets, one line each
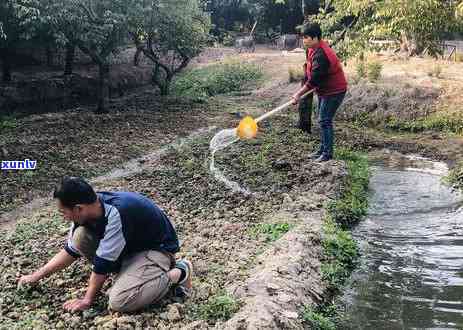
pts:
[247, 129]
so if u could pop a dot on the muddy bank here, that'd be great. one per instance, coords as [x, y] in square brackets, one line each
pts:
[59, 93]
[44, 89]
[234, 242]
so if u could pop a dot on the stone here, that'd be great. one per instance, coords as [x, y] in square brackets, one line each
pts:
[290, 314]
[173, 313]
[100, 320]
[285, 298]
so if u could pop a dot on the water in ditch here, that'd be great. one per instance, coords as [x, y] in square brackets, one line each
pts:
[411, 269]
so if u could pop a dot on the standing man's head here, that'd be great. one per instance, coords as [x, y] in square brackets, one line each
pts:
[311, 35]
[77, 201]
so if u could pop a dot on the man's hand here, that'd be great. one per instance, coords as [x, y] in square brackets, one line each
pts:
[76, 305]
[295, 98]
[29, 279]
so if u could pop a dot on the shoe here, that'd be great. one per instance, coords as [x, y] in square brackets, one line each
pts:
[315, 155]
[323, 158]
[188, 268]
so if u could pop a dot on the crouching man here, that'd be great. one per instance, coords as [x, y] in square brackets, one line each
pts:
[118, 232]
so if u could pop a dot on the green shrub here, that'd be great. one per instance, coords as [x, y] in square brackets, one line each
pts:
[202, 83]
[374, 69]
[219, 307]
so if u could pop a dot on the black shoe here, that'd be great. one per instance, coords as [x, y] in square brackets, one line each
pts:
[323, 158]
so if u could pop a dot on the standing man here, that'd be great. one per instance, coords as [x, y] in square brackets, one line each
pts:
[119, 232]
[326, 76]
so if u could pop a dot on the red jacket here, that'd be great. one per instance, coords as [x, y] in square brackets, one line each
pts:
[324, 71]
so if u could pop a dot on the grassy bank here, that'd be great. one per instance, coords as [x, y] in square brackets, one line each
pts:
[441, 122]
[229, 76]
[340, 249]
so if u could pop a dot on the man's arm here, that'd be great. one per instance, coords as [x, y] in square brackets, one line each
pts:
[320, 67]
[94, 286]
[319, 71]
[105, 261]
[60, 261]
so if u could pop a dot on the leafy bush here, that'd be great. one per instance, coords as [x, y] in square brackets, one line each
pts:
[200, 84]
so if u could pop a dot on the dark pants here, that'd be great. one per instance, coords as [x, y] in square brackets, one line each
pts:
[305, 114]
[327, 106]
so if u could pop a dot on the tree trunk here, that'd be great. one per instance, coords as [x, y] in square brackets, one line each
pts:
[69, 60]
[49, 55]
[165, 88]
[6, 65]
[162, 81]
[102, 88]
[136, 57]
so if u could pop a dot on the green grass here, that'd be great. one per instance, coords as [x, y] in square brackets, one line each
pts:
[353, 204]
[439, 122]
[374, 69]
[228, 76]
[339, 248]
[317, 320]
[8, 122]
[272, 231]
[219, 307]
[455, 177]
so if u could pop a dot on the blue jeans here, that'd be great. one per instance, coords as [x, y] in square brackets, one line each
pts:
[327, 106]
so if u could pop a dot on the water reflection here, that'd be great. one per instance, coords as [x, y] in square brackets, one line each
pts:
[412, 250]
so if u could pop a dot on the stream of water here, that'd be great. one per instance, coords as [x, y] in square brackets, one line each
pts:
[411, 269]
[221, 140]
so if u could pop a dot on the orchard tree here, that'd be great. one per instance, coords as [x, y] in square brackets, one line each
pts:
[170, 34]
[417, 24]
[18, 21]
[97, 28]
